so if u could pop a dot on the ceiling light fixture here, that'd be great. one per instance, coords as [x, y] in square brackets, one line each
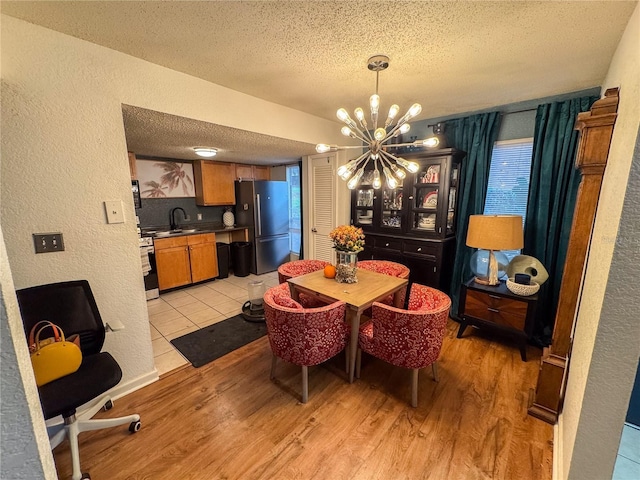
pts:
[206, 152]
[392, 166]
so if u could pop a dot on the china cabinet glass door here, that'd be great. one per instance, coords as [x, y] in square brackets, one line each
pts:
[391, 208]
[424, 210]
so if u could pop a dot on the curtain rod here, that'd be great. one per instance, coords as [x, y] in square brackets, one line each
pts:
[501, 113]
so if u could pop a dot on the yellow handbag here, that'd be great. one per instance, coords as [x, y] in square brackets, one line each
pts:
[52, 357]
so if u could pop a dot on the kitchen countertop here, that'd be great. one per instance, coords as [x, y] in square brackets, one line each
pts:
[164, 232]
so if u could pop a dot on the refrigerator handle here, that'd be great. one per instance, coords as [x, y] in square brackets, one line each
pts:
[258, 213]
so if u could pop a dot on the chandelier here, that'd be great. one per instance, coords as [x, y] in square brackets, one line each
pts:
[393, 167]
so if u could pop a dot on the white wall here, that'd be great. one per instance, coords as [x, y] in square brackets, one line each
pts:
[607, 335]
[64, 153]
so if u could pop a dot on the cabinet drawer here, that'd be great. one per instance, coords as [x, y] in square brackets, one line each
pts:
[492, 308]
[389, 243]
[420, 248]
[201, 238]
[162, 243]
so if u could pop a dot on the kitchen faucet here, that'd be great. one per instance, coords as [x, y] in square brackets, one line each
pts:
[172, 218]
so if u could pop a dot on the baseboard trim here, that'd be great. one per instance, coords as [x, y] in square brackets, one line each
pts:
[125, 388]
[556, 470]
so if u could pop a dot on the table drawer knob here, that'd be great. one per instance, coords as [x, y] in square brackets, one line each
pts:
[419, 249]
[386, 244]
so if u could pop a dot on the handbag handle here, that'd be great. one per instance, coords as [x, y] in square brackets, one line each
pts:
[58, 335]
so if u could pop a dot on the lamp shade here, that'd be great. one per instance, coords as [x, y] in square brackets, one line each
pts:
[495, 232]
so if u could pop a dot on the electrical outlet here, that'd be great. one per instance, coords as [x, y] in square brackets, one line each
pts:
[199, 216]
[114, 210]
[48, 242]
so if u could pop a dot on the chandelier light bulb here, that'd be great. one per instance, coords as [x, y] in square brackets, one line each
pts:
[431, 142]
[346, 131]
[343, 115]
[376, 183]
[391, 181]
[413, 167]
[405, 128]
[374, 102]
[400, 173]
[323, 148]
[359, 113]
[379, 134]
[393, 111]
[353, 183]
[415, 110]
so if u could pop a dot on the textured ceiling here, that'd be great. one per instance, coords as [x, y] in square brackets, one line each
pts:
[156, 134]
[451, 57]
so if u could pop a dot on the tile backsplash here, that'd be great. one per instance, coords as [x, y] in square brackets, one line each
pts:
[155, 212]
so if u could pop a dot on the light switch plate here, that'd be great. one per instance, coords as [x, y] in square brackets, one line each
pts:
[48, 242]
[115, 212]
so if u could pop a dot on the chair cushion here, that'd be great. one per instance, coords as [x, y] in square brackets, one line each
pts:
[284, 300]
[97, 374]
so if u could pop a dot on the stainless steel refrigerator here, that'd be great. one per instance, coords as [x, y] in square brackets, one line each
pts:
[263, 207]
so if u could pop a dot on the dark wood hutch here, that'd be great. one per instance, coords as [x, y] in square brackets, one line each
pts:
[414, 223]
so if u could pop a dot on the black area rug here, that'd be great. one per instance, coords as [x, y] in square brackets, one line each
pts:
[207, 344]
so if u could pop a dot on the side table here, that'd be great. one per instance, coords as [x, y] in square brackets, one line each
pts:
[495, 307]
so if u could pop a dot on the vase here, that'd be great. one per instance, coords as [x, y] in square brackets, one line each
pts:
[346, 267]
[228, 218]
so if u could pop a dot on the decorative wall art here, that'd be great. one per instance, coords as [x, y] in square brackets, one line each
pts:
[165, 179]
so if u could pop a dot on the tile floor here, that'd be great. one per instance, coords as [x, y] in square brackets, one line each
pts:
[628, 461]
[183, 311]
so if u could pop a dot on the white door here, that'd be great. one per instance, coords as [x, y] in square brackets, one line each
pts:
[322, 206]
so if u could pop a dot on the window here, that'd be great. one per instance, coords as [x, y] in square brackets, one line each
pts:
[293, 180]
[509, 173]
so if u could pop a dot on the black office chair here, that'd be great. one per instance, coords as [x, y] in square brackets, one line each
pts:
[72, 307]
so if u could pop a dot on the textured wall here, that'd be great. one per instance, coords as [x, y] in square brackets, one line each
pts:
[607, 334]
[64, 153]
[23, 437]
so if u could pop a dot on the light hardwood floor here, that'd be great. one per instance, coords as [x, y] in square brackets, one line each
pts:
[227, 420]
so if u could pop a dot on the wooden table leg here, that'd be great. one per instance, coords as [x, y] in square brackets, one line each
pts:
[294, 292]
[353, 316]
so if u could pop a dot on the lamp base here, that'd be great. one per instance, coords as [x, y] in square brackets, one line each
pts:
[485, 281]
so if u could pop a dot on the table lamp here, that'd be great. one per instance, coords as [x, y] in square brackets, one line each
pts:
[493, 232]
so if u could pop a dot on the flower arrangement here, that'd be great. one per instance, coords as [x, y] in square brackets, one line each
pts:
[347, 238]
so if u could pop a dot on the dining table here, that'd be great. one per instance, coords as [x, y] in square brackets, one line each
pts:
[370, 287]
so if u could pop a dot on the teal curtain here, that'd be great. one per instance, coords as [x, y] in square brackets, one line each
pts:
[475, 135]
[552, 196]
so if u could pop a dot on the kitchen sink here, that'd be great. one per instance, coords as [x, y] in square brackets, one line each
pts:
[179, 231]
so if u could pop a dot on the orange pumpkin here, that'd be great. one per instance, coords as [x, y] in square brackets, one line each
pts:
[330, 271]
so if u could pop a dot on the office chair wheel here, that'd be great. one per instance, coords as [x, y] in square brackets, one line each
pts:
[108, 405]
[135, 426]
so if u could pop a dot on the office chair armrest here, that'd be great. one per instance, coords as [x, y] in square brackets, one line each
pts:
[113, 326]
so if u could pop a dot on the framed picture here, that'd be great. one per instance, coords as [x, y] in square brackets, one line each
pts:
[165, 179]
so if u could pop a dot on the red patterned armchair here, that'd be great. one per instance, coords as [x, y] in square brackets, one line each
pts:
[386, 267]
[303, 336]
[407, 338]
[299, 267]
[296, 268]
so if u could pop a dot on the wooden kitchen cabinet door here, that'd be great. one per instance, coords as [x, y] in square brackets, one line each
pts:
[261, 173]
[204, 262]
[173, 267]
[214, 183]
[203, 256]
[244, 172]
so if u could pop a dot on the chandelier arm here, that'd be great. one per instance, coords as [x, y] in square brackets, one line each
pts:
[368, 133]
[389, 156]
[362, 135]
[350, 147]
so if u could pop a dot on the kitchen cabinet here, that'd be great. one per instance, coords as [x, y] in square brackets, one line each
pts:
[414, 223]
[185, 259]
[252, 172]
[214, 183]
